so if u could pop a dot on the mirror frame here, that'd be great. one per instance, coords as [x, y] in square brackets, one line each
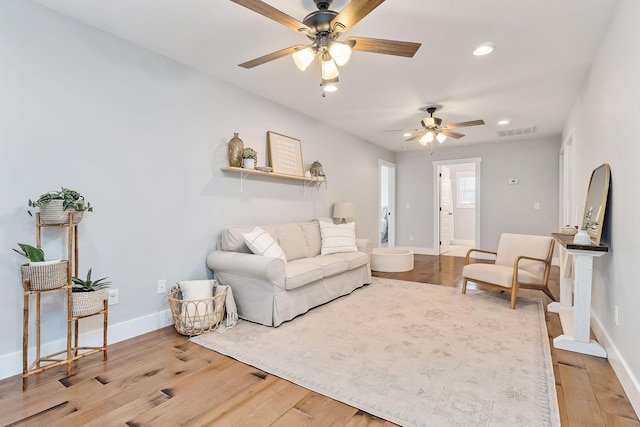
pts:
[597, 191]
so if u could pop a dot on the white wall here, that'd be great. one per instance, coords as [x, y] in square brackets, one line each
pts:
[504, 207]
[604, 126]
[143, 138]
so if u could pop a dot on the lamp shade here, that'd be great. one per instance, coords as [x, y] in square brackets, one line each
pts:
[303, 58]
[344, 210]
[441, 137]
[340, 52]
[328, 67]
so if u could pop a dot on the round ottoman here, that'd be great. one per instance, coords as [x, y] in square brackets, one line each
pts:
[390, 260]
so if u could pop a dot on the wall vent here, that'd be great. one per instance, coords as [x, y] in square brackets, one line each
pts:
[516, 131]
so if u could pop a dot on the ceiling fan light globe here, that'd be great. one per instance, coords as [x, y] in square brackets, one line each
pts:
[329, 68]
[441, 137]
[303, 58]
[340, 52]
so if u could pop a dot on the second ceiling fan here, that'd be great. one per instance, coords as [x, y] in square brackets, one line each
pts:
[432, 127]
[323, 27]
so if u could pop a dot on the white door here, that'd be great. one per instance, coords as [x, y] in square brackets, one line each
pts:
[446, 209]
[387, 204]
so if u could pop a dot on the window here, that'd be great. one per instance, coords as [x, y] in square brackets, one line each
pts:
[466, 190]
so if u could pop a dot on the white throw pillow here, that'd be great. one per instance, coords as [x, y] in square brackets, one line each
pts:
[261, 243]
[337, 238]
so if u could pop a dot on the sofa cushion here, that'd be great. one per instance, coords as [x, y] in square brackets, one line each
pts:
[353, 259]
[337, 238]
[330, 264]
[497, 274]
[292, 241]
[232, 239]
[261, 243]
[300, 272]
[312, 236]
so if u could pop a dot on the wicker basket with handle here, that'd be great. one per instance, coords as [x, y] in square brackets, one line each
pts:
[195, 317]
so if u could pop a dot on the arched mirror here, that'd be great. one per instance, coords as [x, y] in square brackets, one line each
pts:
[596, 204]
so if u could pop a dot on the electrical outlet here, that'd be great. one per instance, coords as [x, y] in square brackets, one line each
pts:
[162, 286]
[536, 206]
[616, 313]
[410, 236]
[113, 296]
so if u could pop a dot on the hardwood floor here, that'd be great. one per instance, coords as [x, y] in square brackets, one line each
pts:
[161, 378]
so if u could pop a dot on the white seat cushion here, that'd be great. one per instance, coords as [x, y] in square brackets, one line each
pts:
[300, 272]
[500, 275]
[330, 264]
[354, 259]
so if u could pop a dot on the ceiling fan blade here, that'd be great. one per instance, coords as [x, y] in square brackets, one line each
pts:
[420, 135]
[451, 133]
[354, 12]
[272, 13]
[463, 124]
[402, 130]
[387, 47]
[270, 57]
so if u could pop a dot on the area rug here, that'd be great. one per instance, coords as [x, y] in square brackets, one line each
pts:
[413, 354]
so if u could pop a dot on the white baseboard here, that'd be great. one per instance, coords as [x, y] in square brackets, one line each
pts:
[629, 382]
[11, 363]
[463, 242]
[419, 251]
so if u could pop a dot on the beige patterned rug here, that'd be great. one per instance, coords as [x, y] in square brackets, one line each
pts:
[414, 354]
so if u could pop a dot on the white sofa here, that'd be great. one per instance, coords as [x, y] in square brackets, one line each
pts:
[271, 291]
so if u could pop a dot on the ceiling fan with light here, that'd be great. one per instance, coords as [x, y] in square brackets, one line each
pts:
[432, 128]
[323, 27]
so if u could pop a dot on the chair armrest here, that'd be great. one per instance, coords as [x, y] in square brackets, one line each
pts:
[247, 265]
[466, 260]
[364, 245]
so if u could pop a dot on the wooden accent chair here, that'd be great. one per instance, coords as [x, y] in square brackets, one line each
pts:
[522, 261]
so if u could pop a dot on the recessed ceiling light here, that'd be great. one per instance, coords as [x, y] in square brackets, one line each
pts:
[483, 49]
[504, 122]
[407, 134]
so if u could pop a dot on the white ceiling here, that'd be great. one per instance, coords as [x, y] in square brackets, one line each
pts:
[543, 51]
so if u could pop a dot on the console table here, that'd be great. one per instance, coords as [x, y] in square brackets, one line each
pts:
[574, 308]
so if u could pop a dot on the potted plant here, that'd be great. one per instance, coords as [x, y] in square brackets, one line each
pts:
[249, 158]
[88, 295]
[583, 237]
[55, 206]
[41, 274]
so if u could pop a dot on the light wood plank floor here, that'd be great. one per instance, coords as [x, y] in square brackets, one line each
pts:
[160, 378]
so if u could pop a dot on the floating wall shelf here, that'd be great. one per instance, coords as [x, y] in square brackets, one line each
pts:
[244, 173]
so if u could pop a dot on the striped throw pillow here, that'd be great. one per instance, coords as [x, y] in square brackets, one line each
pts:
[337, 238]
[261, 243]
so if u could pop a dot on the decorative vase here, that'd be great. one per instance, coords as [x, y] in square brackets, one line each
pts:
[235, 151]
[582, 238]
[249, 163]
[53, 213]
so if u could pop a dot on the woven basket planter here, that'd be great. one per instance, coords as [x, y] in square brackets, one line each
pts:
[195, 317]
[45, 277]
[52, 213]
[86, 303]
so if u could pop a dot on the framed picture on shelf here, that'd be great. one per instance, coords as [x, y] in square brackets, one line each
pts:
[285, 154]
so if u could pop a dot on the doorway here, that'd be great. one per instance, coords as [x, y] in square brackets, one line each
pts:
[456, 206]
[387, 204]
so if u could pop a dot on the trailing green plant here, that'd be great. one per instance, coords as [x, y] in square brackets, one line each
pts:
[88, 285]
[71, 199]
[249, 153]
[588, 222]
[32, 253]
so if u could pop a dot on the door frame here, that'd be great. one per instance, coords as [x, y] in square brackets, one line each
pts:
[436, 198]
[391, 224]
